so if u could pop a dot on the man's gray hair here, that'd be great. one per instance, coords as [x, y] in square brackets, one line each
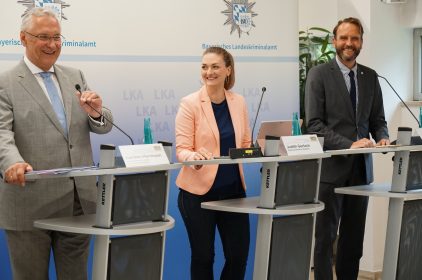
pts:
[36, 12]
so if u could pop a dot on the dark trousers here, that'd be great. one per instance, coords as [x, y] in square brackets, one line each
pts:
[201, 224]
[29, 252]
[348, 211]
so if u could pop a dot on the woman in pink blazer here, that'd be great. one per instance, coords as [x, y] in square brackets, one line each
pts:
[210, 122]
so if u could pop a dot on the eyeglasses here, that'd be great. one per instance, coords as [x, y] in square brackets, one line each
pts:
[47, 38]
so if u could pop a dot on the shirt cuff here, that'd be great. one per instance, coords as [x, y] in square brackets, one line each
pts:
[98, 121]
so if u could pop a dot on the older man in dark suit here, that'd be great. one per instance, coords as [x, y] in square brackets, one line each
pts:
[344, 103]
[45, 123]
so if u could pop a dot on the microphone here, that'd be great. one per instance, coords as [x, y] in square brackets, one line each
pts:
[408, 109]
[264, 89]
[78, 88]
[252, 151]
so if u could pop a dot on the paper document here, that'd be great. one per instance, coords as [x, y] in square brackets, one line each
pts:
[387, 146]
[62, 170]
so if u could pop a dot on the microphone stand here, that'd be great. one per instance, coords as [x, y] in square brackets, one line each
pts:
[408, 109]
[252, 151]
[415, 140]
[78, 88]
[264, 89]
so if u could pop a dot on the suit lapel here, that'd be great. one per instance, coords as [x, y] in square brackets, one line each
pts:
[209, 113]
[341, 84]
[67, 93]
[361, 92]
[33, 88]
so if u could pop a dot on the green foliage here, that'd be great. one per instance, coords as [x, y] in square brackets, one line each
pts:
[314, 48]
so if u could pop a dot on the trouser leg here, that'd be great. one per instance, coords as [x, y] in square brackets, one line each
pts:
[29, 253]
[200, 226]
[234, 233]
[326, 232]
[351, 235]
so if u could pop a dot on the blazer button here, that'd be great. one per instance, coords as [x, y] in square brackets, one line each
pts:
[70, 146]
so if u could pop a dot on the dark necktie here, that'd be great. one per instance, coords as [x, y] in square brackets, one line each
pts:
[353, 90]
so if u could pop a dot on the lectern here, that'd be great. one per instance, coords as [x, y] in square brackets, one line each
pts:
[403, 244]
[130, 222]
[286, 211]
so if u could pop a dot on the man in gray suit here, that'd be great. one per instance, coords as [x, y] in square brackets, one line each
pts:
[44, 124]
[343, 102]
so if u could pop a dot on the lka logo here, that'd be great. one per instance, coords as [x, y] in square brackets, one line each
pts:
[239, 15]
[56, 5]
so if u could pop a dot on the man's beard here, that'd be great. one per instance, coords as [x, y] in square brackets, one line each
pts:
[356, 52]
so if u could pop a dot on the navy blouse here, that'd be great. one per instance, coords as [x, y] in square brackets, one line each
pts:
[227, 174]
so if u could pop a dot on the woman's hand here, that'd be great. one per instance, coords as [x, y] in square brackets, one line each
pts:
[201, 154]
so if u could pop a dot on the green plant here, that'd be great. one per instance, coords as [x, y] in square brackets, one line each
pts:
[314, 48]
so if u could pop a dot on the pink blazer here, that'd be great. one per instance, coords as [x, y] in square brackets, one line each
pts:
[196, 127]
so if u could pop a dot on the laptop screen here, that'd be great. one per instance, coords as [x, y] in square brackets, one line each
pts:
[274, 128]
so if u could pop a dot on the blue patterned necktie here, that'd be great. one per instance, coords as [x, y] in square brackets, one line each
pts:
[353, 90]
[55, 99]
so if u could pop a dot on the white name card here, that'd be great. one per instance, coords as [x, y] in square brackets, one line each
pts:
[143, 155]
[300, 145]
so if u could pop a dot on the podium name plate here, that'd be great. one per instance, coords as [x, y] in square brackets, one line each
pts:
[143, 155]
[300, 145]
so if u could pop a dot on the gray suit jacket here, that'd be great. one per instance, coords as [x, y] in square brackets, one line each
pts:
[329, 112]
[30, 132]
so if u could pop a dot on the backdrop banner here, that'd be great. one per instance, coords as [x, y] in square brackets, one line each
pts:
[142, 57]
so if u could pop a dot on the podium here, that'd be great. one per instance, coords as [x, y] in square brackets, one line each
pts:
[403, 244]
[286, 211]
[130, 222]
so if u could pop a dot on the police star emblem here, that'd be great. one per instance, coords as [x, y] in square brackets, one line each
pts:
[239, 15]
[56, 5]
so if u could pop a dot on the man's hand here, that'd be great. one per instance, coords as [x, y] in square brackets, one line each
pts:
[383, 142]
[93, 99]
[15, 174]
[362, 143]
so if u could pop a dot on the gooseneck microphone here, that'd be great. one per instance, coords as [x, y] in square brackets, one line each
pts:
[78, 88]
[264, 89]
[252, 151]
[408, 109]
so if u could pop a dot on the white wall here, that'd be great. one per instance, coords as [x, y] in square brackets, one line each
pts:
[411, 13]
[387, 48]
[308, 17]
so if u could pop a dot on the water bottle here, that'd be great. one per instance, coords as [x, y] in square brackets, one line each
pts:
[296, 125]
[420, 117]
[147, 131]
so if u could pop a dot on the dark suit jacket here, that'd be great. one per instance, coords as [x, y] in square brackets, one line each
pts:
[329, 112]
[30, 132]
